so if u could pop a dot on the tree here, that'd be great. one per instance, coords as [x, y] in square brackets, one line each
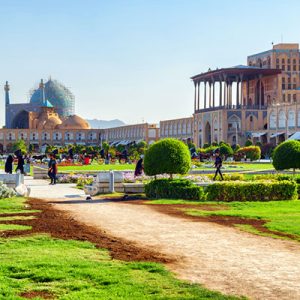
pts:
[168, 156]
[226, 150]
[19, 145]
[287, 156]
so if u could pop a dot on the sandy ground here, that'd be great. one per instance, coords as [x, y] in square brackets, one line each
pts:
[221, 258]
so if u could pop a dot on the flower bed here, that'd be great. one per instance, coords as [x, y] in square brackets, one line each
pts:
[68, 164]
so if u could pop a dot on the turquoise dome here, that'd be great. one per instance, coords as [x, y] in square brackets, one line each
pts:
[58, 95]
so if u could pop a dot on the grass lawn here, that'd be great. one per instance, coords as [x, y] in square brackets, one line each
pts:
[282, 216]
[238, 167]
[68, 269]
[97, 167]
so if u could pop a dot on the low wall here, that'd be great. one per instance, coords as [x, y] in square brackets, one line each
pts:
[11, 180]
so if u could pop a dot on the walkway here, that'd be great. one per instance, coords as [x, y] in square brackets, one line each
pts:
[221, 258]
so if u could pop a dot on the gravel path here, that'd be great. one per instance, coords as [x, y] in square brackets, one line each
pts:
[221, 258]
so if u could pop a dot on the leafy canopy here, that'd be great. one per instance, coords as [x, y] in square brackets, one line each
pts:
[287, 155]
[167, 156]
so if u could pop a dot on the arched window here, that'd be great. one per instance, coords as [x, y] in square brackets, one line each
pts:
[273, 120]
[281, 121]
[234, 123]
[291, 119]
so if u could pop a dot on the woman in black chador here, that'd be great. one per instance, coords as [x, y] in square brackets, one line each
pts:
[8, 164]
[139, 167]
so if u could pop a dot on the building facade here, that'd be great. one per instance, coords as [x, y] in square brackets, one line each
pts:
[182, 129]
[234, 104]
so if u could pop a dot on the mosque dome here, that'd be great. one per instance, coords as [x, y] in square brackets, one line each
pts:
[48, 123]
[58, 95]
[74, 122]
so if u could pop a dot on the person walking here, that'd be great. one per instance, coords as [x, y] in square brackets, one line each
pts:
[218, 165]
[52, 169]
[8, 164]
[139, 167]
[20, 165]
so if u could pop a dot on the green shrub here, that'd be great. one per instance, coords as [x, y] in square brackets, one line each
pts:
[174, 189]
[251, 152]
[167, 156]
[229, 177]
[226, 150]
[287, 155]
[206, 145]
[252, 191]
[248, 143]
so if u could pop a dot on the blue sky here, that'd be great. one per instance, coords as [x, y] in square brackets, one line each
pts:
[133, 60]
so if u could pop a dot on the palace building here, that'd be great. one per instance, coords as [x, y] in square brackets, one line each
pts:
[259, 100]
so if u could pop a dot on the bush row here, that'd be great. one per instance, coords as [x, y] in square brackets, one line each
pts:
[174, 189]
[223, 191]
[252, 191]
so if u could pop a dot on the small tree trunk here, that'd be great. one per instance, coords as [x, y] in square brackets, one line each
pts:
[294, 172]
[171, 176]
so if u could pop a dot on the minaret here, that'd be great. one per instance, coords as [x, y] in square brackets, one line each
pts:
[6, 89]
[42, 87]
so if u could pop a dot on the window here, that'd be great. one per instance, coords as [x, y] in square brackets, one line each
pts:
[288, 61]
[283, 61]
[289, 68]
[251, 118]
[289, 97]
[283, 83]
[283, 97]
[33, 136]
[294, 97]
[283, 67]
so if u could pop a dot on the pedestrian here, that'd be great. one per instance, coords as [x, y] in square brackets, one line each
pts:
[218, 165]
[139, 167]
[8, 164]
[52, 169]
[20, 165]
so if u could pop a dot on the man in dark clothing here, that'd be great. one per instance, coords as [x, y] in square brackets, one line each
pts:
[52, 169]
[218, 165]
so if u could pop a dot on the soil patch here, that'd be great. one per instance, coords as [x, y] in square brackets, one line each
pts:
[60, 225]
[35, 294]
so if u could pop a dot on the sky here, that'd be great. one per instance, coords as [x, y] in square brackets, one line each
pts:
[132, 60]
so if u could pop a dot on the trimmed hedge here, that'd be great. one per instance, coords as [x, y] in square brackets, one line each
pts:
[174, 189]
[252, 191]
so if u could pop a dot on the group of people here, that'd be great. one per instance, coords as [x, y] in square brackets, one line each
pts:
[8, 168]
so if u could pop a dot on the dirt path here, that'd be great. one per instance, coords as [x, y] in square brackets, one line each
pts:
[219, 257]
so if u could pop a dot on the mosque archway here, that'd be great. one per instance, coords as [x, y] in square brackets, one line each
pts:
[21, 120]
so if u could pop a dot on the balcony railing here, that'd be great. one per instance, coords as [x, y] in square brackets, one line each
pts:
[232, 107]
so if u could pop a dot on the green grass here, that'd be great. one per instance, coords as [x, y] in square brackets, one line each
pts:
[16, 218]
[96, 167]
[77, 270]
[69, 269]
[238, 167]
[282, 216]
[4, 227]
[174, 201]
[13, 205]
